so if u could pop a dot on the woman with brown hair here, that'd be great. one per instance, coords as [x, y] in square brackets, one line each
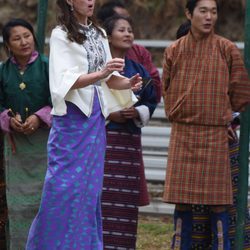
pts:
[80, 63]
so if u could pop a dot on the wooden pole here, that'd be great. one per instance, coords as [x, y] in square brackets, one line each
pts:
[41, 24]
[242, 197]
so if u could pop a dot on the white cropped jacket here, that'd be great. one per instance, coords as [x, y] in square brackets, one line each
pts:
[67, 61]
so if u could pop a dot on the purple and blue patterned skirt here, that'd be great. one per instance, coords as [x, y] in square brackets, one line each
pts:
[70, 212]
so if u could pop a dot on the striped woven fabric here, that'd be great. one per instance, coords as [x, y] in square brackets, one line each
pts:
[120, 197]
[3, 208]
[201, 237]
[198, 168]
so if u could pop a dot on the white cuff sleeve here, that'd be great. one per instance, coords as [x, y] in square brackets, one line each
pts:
[144, 116]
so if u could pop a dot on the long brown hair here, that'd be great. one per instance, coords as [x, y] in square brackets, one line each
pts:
[69, 22]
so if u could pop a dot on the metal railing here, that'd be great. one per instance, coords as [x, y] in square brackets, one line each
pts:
[152, 43]
[166, 43]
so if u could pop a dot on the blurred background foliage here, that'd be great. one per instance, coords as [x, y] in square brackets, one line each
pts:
[159, 19]
[153, 19]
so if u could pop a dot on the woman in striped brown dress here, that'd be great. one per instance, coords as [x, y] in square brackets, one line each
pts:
[124, 181]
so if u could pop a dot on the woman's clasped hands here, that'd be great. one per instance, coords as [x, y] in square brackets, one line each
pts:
[30, 125]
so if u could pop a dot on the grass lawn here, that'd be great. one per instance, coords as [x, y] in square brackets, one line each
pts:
[154, 233]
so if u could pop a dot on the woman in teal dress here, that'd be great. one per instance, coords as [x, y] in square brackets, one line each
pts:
[25, 118]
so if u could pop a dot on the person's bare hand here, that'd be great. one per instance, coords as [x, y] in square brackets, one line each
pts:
[231, 134]
[31, 124]
[16, 124]
[130, 113]
[136, 82]
[116, 117]
[115, 64]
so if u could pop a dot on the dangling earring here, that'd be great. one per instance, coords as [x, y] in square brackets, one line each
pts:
[72, 7]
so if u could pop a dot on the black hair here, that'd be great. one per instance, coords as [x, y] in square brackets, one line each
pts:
[12, 23]
[109, 24]
[183, 29]
[191, 4]
[107, 10]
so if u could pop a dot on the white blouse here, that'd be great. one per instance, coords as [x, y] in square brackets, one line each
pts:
[67, 61]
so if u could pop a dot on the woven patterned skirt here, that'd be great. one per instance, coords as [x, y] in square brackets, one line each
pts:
[70, 212]
[201, 237]
[198, 168]
[121, 190]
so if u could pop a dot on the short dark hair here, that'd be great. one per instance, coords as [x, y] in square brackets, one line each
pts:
[107, 10]
[191, 4]
[12, 23]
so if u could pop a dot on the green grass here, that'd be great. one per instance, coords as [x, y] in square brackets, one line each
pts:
[154, 233]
